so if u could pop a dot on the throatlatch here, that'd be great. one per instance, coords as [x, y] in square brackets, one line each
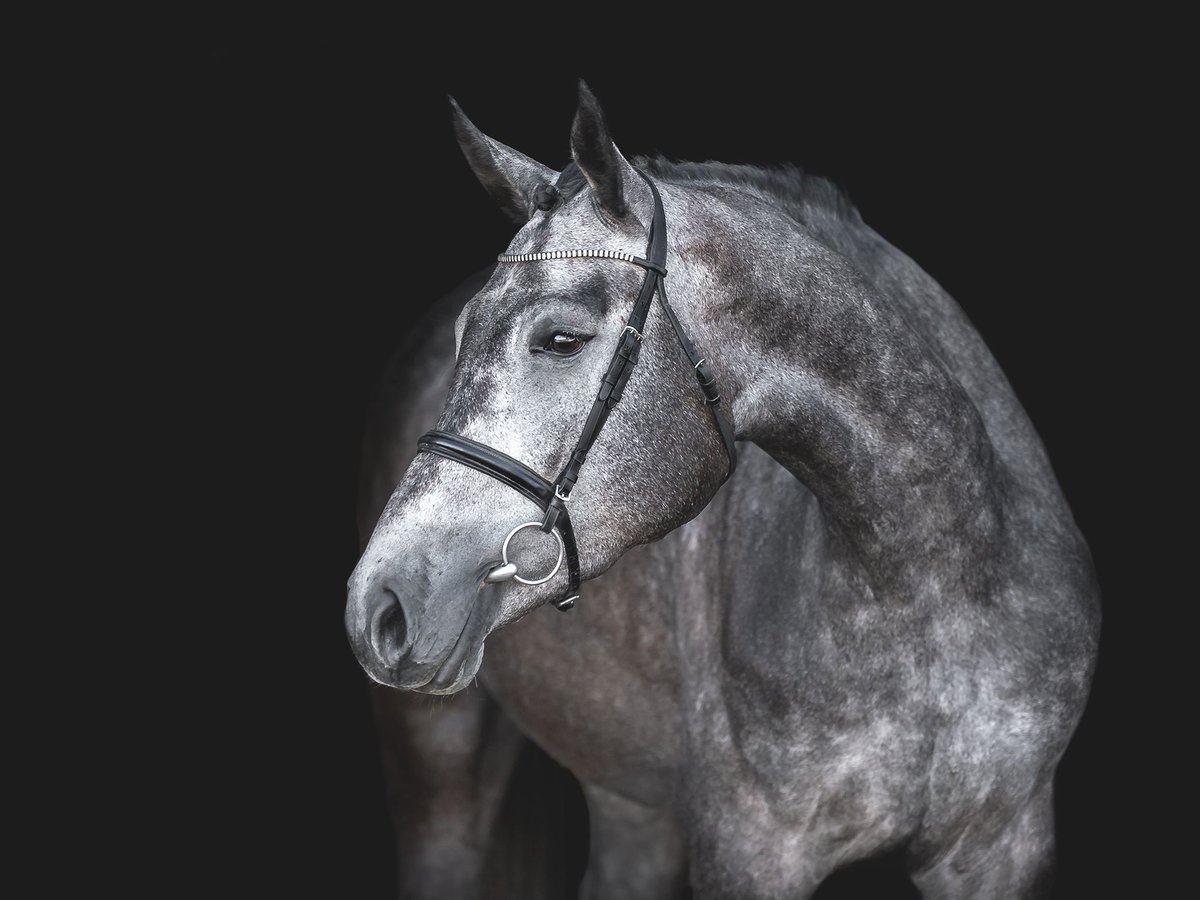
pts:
[553, 496]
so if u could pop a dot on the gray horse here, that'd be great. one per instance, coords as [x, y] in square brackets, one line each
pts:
[877, 637]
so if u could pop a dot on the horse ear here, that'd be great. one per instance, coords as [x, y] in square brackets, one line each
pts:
[607, 171]
[508, 175]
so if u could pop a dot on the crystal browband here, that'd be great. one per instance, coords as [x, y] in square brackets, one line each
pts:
[582, 253]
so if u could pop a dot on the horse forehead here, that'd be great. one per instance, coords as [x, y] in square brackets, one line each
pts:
[517, 287]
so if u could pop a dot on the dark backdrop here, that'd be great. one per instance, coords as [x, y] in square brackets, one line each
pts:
[333, 207]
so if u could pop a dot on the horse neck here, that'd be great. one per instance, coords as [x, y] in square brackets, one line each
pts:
[829, 378]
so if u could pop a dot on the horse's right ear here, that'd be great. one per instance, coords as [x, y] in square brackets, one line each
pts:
[509, 176]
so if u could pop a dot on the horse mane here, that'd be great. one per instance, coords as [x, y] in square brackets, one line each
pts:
[812, 200]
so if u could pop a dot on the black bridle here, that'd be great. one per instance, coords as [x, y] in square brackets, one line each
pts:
[552, 496]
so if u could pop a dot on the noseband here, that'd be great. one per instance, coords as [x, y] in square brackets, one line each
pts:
[552, 496]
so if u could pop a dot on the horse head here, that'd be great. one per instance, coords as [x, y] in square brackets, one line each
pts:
[531, 348]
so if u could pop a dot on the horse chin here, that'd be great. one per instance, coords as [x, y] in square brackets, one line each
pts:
[458, 670]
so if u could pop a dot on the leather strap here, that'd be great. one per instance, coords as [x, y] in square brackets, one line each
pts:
[708, 383]
[516, 475]
[625, 358]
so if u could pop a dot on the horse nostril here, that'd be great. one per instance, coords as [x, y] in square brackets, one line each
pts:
[389, 629]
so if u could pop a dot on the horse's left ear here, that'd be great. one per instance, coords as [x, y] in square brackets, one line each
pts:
[508, 175]
[613, 180]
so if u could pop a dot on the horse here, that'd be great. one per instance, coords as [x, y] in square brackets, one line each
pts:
[875, 637]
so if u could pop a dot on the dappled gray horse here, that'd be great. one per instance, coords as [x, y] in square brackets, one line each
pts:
[877, 637]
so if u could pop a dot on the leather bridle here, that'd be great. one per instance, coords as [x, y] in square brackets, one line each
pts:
[552, 496]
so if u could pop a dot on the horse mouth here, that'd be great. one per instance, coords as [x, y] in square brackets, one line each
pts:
[461, 664]
[457, 671]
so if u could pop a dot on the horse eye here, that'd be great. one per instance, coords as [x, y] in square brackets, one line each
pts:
[564, 343]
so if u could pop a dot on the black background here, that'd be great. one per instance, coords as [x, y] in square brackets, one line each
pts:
[332, 205]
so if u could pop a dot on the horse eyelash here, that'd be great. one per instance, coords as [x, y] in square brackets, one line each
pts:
[539, 348]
